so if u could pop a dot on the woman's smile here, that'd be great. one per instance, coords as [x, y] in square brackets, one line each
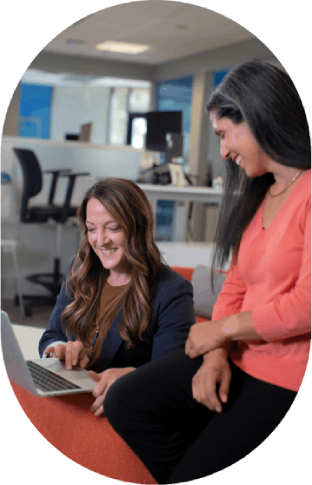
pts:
[106, 237]
[238, 143]
[108, 251]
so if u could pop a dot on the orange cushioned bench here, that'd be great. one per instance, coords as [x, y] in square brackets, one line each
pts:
[95, 446]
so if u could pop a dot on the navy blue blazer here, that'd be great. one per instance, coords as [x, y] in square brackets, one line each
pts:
[172, 316]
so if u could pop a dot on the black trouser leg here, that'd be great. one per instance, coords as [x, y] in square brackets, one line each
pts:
[180, 440]
[154, 411]
[254, 410]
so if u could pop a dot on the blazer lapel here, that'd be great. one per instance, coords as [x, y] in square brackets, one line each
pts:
[111, 343]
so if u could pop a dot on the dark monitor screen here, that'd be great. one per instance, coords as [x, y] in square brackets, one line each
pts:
[159, 123]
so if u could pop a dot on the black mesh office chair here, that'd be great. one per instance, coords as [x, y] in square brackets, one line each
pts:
[32, 185]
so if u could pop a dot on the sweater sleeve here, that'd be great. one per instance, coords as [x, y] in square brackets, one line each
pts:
[289, 314]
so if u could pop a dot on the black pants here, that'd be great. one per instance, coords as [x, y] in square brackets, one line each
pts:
[179, 439]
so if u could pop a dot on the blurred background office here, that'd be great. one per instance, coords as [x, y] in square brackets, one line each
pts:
[120, 93]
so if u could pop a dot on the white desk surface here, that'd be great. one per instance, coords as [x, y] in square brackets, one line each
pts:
[182, 194]
[19, 141]
[28, 338]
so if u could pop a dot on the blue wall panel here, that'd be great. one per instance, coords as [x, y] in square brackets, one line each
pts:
[34, 111]
[218, 76]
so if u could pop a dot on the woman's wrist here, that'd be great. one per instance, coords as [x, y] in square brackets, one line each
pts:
[221, 351]
[239, 327]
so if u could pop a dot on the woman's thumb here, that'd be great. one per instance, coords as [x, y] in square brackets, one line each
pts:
[94, 376]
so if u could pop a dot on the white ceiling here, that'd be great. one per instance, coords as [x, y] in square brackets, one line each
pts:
[173, 30]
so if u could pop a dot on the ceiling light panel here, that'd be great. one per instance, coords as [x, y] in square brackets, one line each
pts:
[122, 47]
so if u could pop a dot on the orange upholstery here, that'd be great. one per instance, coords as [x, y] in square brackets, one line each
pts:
[187, 273]
[96, 446]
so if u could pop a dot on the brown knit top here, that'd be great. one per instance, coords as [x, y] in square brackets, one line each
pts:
[109, 294]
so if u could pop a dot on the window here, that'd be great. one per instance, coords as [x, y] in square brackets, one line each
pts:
[123, 102]
[139, 127]
[119, 116]
[139, 100]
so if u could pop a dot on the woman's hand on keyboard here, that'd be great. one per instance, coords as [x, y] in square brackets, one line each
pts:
[72, 352]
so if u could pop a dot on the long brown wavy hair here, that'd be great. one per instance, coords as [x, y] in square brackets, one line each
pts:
[129, 206]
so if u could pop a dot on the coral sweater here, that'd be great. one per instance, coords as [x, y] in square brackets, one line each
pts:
[272, 278]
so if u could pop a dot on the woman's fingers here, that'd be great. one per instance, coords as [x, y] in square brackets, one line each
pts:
[225, 382]
[74, 353]
[103, 382]
[50, 350]
[68, 355]
[60, 351]
[215, 371]
[84, 359]
[97, 406]
[94, 376]
[77, 353]
[204, 392]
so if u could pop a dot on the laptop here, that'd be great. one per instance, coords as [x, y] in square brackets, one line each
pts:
[42, 377]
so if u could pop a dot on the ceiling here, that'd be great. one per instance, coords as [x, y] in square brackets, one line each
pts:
[172, 29]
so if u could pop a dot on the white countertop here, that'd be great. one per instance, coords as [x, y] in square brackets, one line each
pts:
[20, 141]
[182, 194]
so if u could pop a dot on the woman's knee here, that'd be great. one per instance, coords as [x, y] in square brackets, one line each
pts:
[123, 399]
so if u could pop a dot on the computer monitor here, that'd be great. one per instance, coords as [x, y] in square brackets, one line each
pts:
[159, 124]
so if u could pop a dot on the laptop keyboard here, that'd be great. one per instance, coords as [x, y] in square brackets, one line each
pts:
[47, 381]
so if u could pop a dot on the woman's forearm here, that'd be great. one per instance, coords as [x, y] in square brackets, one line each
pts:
[239, 327]
[206, 336]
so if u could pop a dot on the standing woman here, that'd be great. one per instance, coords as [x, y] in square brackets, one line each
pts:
[240, 372]
[119, 306]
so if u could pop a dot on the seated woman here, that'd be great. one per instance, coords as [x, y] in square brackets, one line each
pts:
[119, 306]
[191, 414]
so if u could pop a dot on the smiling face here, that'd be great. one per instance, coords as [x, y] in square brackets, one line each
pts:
[107, 238]
[238, 143]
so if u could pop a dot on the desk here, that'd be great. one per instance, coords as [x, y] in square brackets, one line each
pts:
[181, 195]
[100, 160]
[206, 195]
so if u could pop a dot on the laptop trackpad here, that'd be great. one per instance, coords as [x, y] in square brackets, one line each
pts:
[77, 375]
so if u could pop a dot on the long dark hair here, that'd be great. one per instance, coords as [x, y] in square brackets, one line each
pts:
[265, 98]
[129, 206]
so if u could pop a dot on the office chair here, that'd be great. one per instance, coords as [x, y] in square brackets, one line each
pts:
[32, 185]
